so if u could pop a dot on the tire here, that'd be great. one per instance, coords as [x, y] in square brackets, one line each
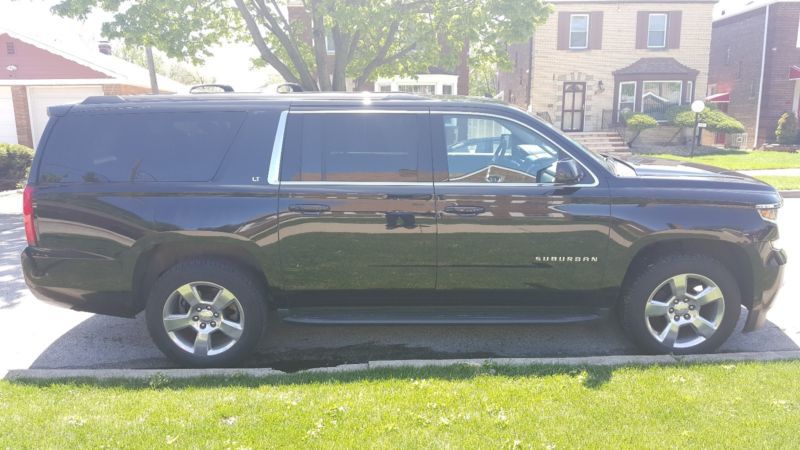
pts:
[698, 322]
[226, 327]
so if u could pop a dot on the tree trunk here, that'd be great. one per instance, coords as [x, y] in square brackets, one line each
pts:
[151, 67]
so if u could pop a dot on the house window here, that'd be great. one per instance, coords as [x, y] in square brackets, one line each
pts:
[10, 48]
[659, 96]
[689, 92]
[627, 99]
[447, 89]
[798, 36]
[330, 46]
[427, 89]
[657, 31]
[385, 88]
[579, 31]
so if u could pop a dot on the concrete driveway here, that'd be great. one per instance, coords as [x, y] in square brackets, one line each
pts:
[36, 335]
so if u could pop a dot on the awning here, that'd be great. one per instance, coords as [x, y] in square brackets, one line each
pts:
[794, 73]
[723, 97]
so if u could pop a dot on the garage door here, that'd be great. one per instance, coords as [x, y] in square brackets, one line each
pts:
[42, 97]
[8, 127]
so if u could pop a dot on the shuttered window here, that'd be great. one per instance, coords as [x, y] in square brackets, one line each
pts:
[658, 30]
[580, 30]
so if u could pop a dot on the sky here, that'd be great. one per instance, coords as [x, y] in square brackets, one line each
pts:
[230, 65]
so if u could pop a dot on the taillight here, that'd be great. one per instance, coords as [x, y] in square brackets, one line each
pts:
[27, 214]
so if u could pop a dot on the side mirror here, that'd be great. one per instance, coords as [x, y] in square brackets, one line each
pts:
[568, 172]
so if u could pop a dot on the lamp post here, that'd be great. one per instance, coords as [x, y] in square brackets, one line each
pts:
[698, 106]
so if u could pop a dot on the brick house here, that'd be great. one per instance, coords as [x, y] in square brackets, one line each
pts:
[755, 54]
[35, 74]
[594, 60]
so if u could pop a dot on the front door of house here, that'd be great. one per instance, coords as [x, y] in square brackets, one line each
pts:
[572, 107]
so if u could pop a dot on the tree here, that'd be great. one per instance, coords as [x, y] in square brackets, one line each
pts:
[370, 38]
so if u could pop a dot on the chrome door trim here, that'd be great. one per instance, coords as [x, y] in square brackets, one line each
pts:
[273, 176]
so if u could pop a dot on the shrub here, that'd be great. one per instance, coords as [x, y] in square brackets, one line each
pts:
[640, 122]
[715, 120]
[15, 162]
[786, 132]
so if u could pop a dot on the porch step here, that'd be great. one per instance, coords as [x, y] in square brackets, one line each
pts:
[432, 315]
[601, 141]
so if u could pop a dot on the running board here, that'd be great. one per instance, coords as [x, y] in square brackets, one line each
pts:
[438, 315]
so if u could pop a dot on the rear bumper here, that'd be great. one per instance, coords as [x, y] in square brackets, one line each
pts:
[773, 262]
[75, 284]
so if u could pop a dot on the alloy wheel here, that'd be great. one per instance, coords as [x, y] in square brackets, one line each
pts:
[684, 311]
[203, 318]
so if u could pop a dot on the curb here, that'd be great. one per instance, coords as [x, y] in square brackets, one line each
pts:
[790, 194]
[145, 374]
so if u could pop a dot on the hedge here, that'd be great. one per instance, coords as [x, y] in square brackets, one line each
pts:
[15, 162]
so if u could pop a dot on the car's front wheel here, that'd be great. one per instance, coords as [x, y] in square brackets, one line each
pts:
[205, 313]
[681, 304]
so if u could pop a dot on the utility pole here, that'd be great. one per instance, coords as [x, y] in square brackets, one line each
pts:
[151, 67]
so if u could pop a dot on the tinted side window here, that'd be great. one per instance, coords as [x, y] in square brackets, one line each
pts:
[355, 148]
[140, 147]
[488, 150]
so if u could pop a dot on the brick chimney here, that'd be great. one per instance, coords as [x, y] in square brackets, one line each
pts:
[104, 47]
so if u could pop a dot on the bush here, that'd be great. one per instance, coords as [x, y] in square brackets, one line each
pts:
[640, 122]
[786, 132]
[715, 120]
[15, 162]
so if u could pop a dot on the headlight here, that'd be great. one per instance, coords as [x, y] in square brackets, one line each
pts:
[769, 212]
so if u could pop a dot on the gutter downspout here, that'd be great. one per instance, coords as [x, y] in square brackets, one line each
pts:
[761, 80]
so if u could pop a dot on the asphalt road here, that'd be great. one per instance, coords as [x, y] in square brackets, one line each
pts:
[36, 335]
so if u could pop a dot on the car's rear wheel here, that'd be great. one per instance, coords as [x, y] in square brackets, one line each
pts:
[681, 304]
[206, 313]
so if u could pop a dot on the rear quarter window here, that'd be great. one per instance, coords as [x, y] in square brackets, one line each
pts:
[138, 147]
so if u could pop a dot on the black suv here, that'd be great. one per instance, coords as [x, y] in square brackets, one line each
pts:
[210, 212]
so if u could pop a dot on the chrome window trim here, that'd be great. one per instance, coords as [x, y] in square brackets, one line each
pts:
[273, 176]
[596, 181]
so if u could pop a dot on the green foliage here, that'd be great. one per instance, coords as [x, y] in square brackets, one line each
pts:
[372, 38]
[786, 132]
[183, 29]
[640, 122]
[15, 162]
[715, 120]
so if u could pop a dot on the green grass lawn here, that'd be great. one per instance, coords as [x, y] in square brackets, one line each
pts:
[782, 183]
[737, 160]
[745, 405]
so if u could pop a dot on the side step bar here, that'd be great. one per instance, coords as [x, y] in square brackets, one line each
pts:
[437, 315]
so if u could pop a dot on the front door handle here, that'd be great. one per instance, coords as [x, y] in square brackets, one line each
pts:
[465, 210]
[309, 208]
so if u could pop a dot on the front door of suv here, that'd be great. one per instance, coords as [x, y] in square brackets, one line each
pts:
[357, 214]
[506, 232]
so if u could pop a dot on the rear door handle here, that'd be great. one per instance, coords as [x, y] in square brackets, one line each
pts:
[465, 210]
[309, 208]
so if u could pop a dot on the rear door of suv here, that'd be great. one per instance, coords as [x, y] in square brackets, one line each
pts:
[357, 213]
